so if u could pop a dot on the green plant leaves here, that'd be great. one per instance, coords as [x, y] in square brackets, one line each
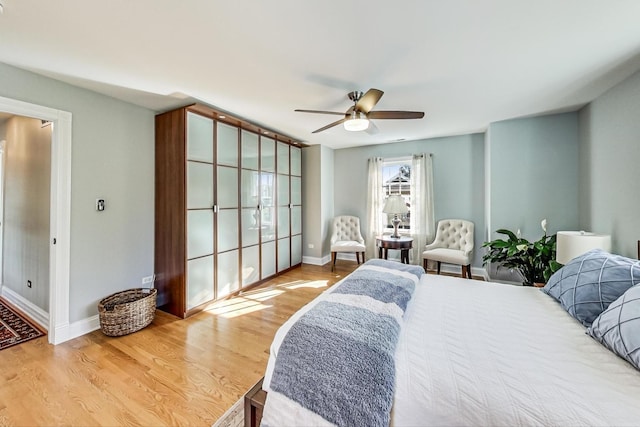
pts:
[534, 261]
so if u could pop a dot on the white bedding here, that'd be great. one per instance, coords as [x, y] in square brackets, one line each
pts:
[478, 353]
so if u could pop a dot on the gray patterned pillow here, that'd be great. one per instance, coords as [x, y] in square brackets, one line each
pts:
[589, 283]
[618, 327]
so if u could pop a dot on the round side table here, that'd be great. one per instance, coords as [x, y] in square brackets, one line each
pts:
[402, 243]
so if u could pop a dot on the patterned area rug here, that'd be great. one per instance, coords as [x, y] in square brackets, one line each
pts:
[15, 329]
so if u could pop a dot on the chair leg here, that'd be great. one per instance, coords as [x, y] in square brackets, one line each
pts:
[363, 260]
[424, 264]
[358, 257]
[333, 260]
[466, 271]
[438, 266]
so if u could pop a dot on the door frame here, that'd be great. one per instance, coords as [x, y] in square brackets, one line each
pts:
[60, 216]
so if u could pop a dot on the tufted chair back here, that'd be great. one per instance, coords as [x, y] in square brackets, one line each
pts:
[346, 237]
[454, 234]
[346, 228]
[453, 245]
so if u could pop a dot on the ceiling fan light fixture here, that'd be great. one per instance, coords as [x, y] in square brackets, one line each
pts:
[354, 125]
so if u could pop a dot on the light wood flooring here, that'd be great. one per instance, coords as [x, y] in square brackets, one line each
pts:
[174, 372]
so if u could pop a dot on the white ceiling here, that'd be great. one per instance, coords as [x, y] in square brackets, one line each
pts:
[465, 63]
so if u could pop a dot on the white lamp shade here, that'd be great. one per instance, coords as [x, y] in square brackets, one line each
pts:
[571, 244]
[395, 205]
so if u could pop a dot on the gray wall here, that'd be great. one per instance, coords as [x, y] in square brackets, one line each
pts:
[317, 181]
[609, 164]
[458, 175]
[533, 174]
[113, 158]
[27, 180]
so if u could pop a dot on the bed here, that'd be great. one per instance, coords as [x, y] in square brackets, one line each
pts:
[479, 353]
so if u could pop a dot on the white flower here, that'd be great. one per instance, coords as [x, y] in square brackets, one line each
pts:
[543, 224]
[521, 247]
[518, 234]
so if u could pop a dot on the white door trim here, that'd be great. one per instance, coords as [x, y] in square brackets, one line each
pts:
[60, 219]
[3, 143]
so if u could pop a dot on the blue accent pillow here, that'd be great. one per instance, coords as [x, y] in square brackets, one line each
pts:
[618, 327]
[589, 283]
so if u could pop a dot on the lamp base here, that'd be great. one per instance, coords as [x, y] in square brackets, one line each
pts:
[395, 221]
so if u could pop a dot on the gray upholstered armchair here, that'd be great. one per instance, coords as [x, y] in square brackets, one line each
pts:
[346, 237]
[453, 245]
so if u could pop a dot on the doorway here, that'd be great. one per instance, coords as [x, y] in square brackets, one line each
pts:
[60, 211]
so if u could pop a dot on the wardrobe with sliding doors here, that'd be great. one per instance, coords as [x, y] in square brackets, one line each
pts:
[228, 207]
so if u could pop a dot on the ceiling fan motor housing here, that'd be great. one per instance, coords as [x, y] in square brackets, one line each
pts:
[355, 95]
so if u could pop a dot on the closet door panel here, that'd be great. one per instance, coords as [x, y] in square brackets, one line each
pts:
[250, 227]
[227, 229]
[199, 138]
[250, 188]
[296, 249]
[228, 273]
[283, 158]
[249, 141]
[250, 265]
[283, 190]
[284, 254]
[268, 154]
[283, 221]
[296, 161]
[296, 190]
[296, 220]
[268, 226]
[199, 281]
[268, 259]
[199, 233]
[227, 187]
[227, 145]
[199, 185]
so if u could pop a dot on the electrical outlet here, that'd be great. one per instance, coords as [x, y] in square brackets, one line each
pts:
[148, 279]
[28, 283]
[311, 246]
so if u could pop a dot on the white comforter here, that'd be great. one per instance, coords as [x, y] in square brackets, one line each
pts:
[489, 354]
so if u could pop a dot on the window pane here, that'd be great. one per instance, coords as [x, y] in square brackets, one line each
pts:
[396, 178]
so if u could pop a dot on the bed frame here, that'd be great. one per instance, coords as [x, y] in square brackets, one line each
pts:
[254, 401]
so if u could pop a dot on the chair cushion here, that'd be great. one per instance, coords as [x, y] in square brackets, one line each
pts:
[586, 285]
[347, 246]
[618, 327]
[450, 256]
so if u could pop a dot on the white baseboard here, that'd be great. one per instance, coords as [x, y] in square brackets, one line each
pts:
[84, 326]
[34, 312]
[316, 260]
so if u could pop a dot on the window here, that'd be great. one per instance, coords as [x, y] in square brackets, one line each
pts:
[396, 179]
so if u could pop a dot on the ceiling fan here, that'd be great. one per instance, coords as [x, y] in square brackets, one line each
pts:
[358, 116]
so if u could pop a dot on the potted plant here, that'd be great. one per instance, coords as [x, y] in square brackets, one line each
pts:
[534, 261]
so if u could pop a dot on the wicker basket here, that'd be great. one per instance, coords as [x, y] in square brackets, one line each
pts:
[128, 311]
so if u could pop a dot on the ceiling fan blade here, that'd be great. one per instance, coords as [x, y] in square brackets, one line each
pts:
[372, 129]
[330, 125]
[320, 112]
[395, 115]
[369, 100]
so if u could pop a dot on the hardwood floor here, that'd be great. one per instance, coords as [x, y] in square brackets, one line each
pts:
[174, 372]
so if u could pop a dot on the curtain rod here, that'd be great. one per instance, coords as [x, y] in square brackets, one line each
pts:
[398, 159]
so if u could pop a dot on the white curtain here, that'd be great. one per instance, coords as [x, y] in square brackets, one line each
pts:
[422, 218]
[375, 201]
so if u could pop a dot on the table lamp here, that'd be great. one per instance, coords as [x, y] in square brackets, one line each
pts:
[395, 205]
[571, 244]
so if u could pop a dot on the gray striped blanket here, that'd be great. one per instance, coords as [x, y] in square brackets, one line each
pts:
[335, 365]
